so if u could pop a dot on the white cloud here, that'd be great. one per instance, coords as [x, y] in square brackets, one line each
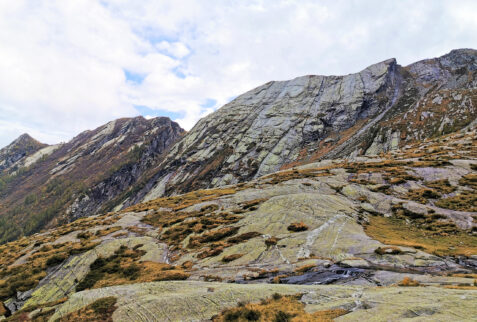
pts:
[63, 63]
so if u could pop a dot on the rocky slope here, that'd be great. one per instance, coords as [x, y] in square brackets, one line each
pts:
[336, 229]
[13, 155]
[309, 118]
[47, 185]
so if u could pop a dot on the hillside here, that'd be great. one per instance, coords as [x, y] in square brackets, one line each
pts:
[404, 220]
[14, 155]
[47, 185]
[281, 124]
[323, 197]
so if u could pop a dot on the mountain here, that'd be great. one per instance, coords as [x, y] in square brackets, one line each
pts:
[349, 197]
[17, 151]
[281, 124]
[386, 237]
[47, 185]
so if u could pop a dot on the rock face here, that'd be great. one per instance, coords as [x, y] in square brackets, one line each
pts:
[332, 230]
[280, 124]
[61, 183]
[186, 301]
[17, 151]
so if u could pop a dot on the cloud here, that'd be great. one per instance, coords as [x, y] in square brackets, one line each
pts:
[68, 66]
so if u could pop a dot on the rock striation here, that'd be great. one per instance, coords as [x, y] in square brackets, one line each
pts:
[309, 118]
[384, 236]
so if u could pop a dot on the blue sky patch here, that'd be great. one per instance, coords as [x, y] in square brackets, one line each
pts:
[147, 111]
[134, 77]
[210, 102]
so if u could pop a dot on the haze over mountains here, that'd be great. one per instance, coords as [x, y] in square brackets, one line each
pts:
[360, 180]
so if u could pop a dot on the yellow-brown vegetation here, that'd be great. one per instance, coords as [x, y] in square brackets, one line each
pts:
[304, 268]
[277, 308]
[124, 267]
[99, 310]
[407, 281]
[177, 203]
[441, 241]
[297, 226]
[463, 201]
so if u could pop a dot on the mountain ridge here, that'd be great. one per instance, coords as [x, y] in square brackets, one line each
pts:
[373, 103]
[351, 197]
[106, 161]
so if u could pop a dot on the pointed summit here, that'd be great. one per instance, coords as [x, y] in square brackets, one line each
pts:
[20, 148]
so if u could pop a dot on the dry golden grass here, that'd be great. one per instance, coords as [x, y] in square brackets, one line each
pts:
[277, 308]
[231, 258]
[27, 275]
[177, 203]
[388, 250]
[177, 226]
[99, 310]
[148, 272]
[297, 226]
[422, 195]
[3, 310]
[42, 312]
[395, 231]
[442, 186]
[304, 268]
[107, 231]
[287, 175]
[469, 180]
[407, 281]
[125, 267]
[463, 201]
[462, 287]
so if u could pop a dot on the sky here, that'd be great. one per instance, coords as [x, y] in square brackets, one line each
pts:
[69, 66]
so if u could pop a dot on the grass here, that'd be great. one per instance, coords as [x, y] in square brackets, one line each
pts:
[297, 226]
[99, 310]
[231, 258]
[27, 276]
[389, 250]
[177, 203]
[407, 281]
[277, 308]
[444, 240]
[441, 186]
[304, 268]
[422, 195]
[463, 201]
[282, 176]
[469, 180]
[124, 268]
[177, 226]
[37, 312]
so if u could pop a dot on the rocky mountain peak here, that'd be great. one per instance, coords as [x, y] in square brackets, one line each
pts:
[282, 123]
[78, 178]
[18, 150]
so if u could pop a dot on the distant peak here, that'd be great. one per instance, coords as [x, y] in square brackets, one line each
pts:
[25, 138]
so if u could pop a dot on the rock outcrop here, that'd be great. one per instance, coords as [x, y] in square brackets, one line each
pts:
[329, 232]
[57, 184]
[309, 118]
[12, 155]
